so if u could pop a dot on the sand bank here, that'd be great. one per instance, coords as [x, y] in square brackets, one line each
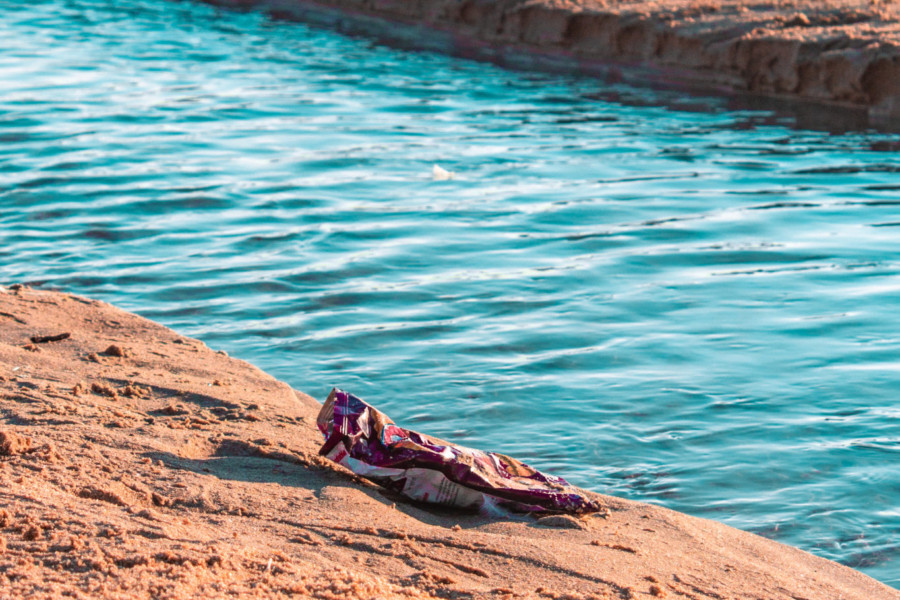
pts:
[138, 463]
[842, 52]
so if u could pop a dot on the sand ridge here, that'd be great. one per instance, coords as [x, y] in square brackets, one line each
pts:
[842, 52]
[137, 463]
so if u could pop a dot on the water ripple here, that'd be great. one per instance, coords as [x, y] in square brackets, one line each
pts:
[652, 296]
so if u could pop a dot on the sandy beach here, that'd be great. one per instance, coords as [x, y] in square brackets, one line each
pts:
[838, 52]
[138, 463]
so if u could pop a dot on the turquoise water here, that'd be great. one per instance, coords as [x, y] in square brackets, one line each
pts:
[654, 296]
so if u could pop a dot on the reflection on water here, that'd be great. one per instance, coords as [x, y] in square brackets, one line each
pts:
[694, 308]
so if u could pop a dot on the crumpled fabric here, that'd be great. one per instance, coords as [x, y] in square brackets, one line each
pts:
[430, 470]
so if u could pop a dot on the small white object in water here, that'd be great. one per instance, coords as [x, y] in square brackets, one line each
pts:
[439, 174]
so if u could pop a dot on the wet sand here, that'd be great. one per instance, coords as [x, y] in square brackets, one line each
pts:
[137, 463]
[844, 53]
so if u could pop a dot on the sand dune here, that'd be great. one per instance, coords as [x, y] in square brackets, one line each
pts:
[137, 463]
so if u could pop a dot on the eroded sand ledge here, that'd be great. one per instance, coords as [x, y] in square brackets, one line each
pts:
[845, 52]
[138, 463]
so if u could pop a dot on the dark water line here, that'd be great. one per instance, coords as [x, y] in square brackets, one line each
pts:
[670, 89]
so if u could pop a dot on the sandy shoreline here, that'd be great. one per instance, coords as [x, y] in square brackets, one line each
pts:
[137, 463]
[836, 52]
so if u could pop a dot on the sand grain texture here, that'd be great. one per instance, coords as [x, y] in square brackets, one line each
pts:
[165, 469]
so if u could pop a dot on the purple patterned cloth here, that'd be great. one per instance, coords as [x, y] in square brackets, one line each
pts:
[430, 470]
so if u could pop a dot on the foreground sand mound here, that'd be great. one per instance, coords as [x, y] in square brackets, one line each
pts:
[137, 463]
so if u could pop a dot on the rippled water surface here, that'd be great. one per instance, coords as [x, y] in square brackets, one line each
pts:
[697, 308]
